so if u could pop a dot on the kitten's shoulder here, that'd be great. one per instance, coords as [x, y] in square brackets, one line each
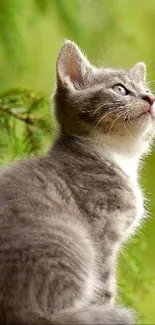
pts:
[23, 173]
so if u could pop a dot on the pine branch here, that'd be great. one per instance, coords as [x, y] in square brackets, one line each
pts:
[34, 145]
[21, 116]
[18, 116]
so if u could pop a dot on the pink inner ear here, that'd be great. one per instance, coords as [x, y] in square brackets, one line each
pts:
[73, 64]
[76, 78]
[73, 69]
[70, 64]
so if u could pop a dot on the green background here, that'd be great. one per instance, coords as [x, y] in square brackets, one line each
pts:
[115, 33]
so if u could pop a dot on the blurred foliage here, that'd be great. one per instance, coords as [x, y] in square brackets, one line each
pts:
[115, 33]
[23, 127]
[10, 34]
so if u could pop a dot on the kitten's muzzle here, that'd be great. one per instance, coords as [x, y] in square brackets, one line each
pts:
[150, 109]
[149, 98]
[145, 109]
[151, 101]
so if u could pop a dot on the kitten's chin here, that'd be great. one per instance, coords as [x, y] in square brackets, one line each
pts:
[139, 125]
[142, 137]
[142, 116]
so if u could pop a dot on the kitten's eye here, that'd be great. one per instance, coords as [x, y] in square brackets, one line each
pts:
[120, 90]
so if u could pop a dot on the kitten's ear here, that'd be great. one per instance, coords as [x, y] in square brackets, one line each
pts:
[139, 71]
[73, 68]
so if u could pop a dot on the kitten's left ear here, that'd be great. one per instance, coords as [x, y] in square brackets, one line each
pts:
[73, 68]
[139, 71]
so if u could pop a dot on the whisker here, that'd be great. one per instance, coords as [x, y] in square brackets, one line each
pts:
[102, 106]
[127, 130]
[121, 111]
[108, 105]
[102, 118]
[119, 115]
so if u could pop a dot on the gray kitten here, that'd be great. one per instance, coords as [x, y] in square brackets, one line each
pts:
[64, 216]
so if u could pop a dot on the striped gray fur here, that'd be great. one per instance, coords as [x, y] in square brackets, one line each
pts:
[65, 216]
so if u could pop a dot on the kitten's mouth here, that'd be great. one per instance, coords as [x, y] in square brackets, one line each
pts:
[148, 112]
[145, 113]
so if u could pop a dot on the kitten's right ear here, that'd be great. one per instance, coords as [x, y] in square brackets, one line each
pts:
[139, 71]
[73, 68]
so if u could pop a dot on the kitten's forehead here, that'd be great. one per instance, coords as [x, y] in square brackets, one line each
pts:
[109, 77]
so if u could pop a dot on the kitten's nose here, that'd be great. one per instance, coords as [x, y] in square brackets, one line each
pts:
[149, 98]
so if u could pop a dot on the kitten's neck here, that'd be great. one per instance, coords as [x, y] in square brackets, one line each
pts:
[126, 153]
[126, 160]
[127, 163]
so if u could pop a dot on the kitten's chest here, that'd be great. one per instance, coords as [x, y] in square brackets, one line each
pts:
[135, 197]
[139, 204]
[114, 206]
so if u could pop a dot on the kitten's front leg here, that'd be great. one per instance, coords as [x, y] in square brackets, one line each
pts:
[107, 291]
[107, 279]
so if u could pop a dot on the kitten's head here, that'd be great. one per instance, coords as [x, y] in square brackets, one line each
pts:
[111, 106]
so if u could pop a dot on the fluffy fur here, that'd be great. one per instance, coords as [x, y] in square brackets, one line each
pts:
[63, 217]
